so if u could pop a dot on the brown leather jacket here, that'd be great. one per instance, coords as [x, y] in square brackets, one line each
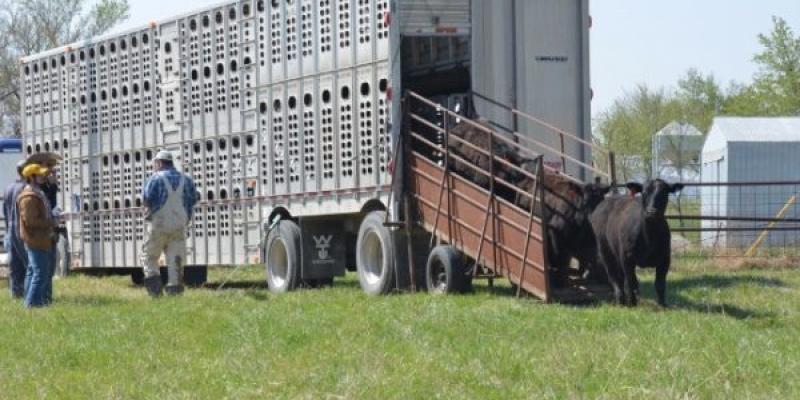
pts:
[35, 223]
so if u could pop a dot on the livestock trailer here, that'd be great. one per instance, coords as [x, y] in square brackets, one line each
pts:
[289, 116]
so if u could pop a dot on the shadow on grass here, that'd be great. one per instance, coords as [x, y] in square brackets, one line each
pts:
[723, 282]
[236, 285]
[94, 300]
[261, 284]
[258, 295]
[677, 288]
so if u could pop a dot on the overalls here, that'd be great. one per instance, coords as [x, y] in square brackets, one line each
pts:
[165, 232]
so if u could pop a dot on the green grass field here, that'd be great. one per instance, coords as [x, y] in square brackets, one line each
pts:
[730, 334]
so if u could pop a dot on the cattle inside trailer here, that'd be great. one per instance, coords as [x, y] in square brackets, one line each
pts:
[288, 116]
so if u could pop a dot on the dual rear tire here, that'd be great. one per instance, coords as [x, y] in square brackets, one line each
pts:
[281, 254]
[375, 257]
[445, 270]
[376, 264]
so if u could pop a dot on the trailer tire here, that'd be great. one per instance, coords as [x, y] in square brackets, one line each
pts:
[445, 272]
[282, 257]
[375, 258]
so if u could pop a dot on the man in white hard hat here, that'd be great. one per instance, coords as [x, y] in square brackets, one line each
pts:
[169, 197]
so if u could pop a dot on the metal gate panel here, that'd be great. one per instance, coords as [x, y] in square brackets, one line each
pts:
[382, 19]
[344, 33]
[365, 31]
[277, 42]
[309, 138]
[213, 233]
[137, 106]
[292, 39]
[236, 162]
[345, 122]
[383, 120]
[237, 234]
[309, 43]
[326, 100]
[223, 169]
[279, 141]
[115, 78]
[265, 144]
[149, 96]
[367, 143]
[26, 88]
[225, 236]
[325, 35]
[294, 137]
[253, 218]
[263, 44]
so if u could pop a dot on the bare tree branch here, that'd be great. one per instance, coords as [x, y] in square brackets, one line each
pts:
[31, 26]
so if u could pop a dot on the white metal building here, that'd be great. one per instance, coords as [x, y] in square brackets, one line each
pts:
[740, 150]
[676, 152]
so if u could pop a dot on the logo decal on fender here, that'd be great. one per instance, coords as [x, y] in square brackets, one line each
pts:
[323, 243]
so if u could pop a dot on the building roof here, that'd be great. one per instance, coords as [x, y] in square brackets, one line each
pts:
[742, 129]
[676, 128]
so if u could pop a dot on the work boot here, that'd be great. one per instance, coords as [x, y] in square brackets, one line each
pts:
[174, 290]
[153, 285]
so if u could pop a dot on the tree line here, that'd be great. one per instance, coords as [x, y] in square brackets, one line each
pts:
[629, 125]
[32, 26]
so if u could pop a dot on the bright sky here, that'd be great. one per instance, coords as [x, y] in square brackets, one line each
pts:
[633, 41]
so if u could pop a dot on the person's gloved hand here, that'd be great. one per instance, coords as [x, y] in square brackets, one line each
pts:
[57, 214]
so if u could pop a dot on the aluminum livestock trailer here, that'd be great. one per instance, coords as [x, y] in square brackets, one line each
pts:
[294, 119]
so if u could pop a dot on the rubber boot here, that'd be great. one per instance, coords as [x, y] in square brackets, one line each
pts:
[153, 285]
[174, 290]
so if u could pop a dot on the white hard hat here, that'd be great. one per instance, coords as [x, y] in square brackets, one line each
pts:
[164, 155]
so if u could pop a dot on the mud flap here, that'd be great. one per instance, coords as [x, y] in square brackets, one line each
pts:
[323, 254]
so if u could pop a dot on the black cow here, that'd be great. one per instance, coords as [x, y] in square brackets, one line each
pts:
[476, 166]
[569, 233]
[632, 231]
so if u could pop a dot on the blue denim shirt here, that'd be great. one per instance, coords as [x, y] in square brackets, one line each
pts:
[13, 239]
[154, 194]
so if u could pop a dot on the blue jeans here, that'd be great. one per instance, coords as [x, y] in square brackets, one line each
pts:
[17, 258]
[38, 278]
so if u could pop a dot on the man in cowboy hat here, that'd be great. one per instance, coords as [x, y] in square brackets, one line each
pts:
[15, 247]
[36, 226]
[169, 197]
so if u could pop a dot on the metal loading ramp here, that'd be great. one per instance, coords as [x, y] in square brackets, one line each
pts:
[504, 237]
[484, 219]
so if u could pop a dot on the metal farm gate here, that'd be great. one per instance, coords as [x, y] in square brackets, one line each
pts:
[737, 219]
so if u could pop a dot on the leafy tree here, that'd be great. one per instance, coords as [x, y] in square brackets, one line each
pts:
[775, 90]
[700, 98]
[32, 26]
[628, 126]
[779, 76]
